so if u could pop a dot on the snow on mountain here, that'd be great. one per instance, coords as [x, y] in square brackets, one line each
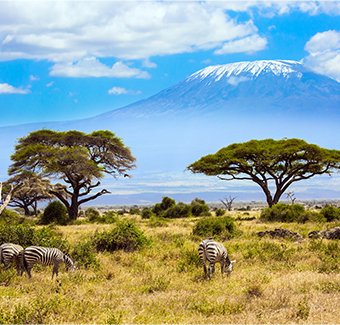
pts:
[283, 68]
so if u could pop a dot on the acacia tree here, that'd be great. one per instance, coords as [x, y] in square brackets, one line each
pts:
[77, 158]
[269, 161]
[34, 188]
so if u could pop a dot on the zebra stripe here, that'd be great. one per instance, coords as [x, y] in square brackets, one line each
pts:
[46, 256]
[10, 253]
[214, 252]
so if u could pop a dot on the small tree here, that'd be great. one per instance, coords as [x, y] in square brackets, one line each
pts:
[228, 202]
[78, 159]
[268, 161]
[34, 188]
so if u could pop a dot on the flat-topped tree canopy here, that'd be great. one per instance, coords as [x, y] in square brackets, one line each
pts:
[76, 158]
[280, 161]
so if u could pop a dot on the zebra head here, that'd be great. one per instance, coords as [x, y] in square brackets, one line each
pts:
[229, 268]
[69, 262]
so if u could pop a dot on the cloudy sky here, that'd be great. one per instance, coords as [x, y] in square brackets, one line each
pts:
[71, 60]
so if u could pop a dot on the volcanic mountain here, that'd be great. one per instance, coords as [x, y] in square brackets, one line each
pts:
[210, 109]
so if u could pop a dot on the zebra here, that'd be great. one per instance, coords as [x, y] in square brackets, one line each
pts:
[214, 252]
[46, 256]
[10, 253]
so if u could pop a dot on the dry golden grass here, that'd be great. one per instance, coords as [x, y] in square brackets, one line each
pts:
[274, 281]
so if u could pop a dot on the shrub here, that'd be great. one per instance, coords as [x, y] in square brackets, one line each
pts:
[147, 213]
[109, 217]
[83, 253]
[55, 212]
[219, 212]
[180, 210]
[26, 235]
[135, 211]
[282, 212]
[212, 227]
[9, 217]
[92, 214]
[330, 213]
[167, 203]
[157, 222]
[199, 208]
[125, 236]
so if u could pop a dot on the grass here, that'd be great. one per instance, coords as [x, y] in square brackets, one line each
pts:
[274, 280]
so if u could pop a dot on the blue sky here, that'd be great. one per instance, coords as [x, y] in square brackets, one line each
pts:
[71, 60]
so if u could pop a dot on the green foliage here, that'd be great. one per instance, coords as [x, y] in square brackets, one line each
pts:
[219, 212]
[55, 212]
[282, 161]
[26, 235]
[330, 213]
[167, 203]
[157, 221]
[199, 208]
[9, 217]
[215, 227]
[92, 214]
[180, 210]
[147, 213]
[125, 236]
[135, 211]
[83, 252]
[282, 212]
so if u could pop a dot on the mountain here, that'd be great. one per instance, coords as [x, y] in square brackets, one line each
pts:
[244, 86]
[208, 110]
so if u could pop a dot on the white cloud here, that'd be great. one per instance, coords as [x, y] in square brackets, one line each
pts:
[50, 84]
[91, 67]
[248, 44]
[122, 91]
[324, 53]
[32, 78]
[69, 31]
[8, 89]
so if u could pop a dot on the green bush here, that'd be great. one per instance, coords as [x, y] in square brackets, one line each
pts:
[180, 210]
[92, 214]
[26, 235]
[9, 217]
[125, 236]
[147, 213]
[282, 213]
[55, 212]
[83, 252]
[135, 211]
[109, 217]
[215, 227]
[330, 213]
[219, 212]
[167, 203]
[157, 222]
[199, 208]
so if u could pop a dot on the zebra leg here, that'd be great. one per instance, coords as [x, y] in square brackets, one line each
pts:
[55, 270]
[211, 269]
[222, 268]
[205, 269]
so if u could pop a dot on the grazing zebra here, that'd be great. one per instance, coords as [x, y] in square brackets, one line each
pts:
[214, 252]
[46, 256]
[10, 253]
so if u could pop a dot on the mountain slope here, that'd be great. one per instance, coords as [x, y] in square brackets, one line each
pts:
[208, 110]
[244, 86]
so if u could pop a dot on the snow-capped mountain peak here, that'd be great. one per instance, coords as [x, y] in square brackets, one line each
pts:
[250, 70]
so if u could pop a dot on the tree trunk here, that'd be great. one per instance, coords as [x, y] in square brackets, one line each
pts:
[73, 208]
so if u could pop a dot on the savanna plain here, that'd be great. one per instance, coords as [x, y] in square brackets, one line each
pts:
[273, 281]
